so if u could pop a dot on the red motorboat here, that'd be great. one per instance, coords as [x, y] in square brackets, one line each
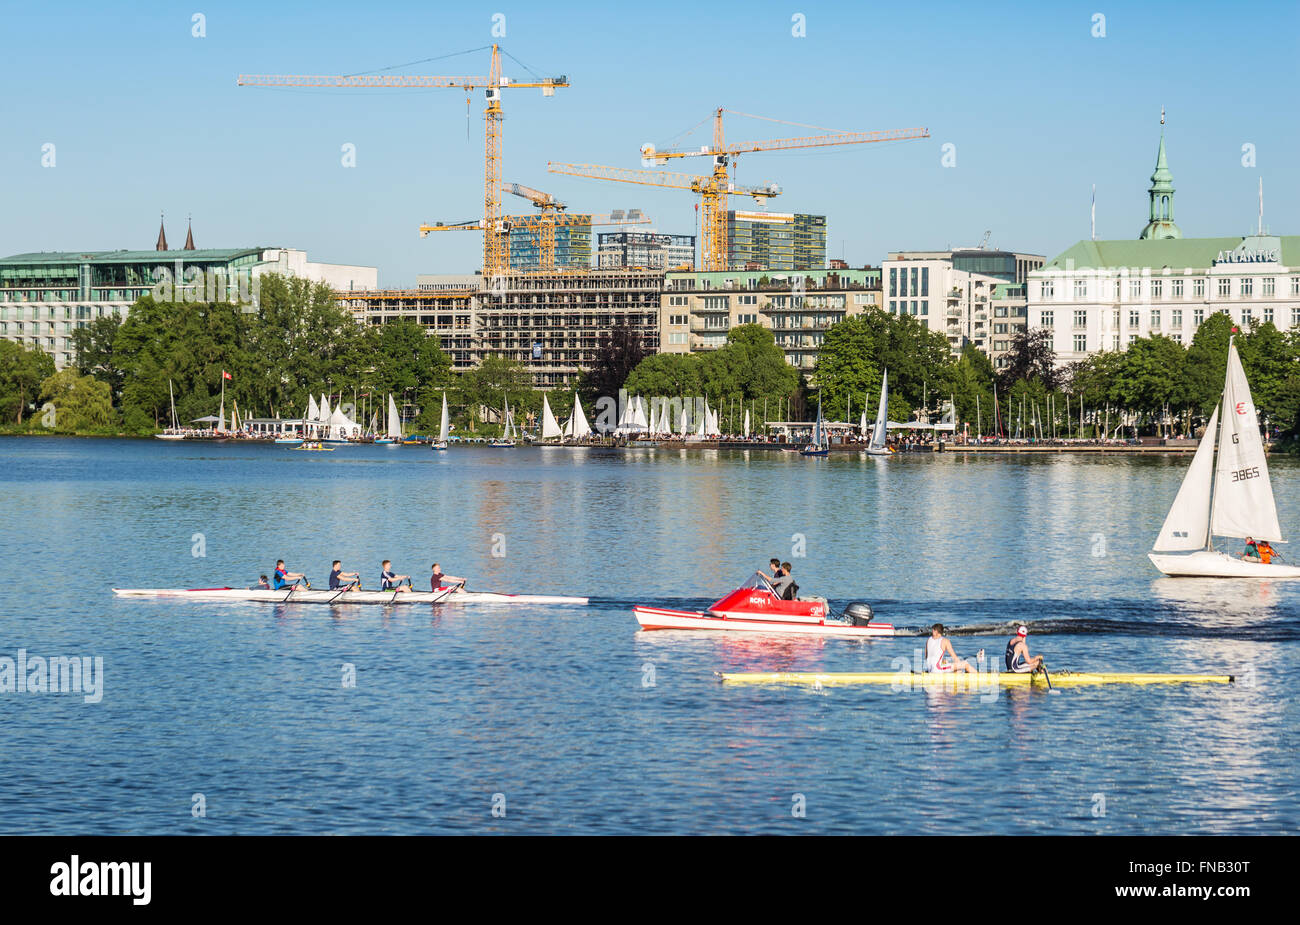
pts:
[755, 607]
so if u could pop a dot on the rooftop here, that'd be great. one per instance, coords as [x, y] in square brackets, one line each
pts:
[149, 256]
[1174, 253]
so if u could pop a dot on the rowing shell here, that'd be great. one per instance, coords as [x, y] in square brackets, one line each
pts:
[966, 680]
[345, 597]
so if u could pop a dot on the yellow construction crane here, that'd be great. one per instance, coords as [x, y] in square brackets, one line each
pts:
[712, 188]
[543, 225]
[553, 214]
[494, 244]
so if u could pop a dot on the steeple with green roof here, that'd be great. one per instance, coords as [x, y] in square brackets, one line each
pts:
[1161, 222]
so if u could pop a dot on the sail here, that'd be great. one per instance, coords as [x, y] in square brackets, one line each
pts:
[394, 420]
[444, 428]
[817, 428]
[882, 411]
[324, 410]
[234, 417]
[1243, 496]
[684, 421]
[550, 426]
[506, 434]
[581, 429]
[340, 426]
[746, 431]
[862, 423]
[702, 424]
[312, 413]
[654, 415]
[639, 422]
[172, 396]
[1188, 523]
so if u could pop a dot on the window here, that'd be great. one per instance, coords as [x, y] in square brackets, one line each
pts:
[893, 284]
[1000, 311]
[1176, 318]
[678, 337]
[1247, 287]
[1295, 285]
[999, 329]
[678, 319]
[1080, 343]
[1155, 319]
[1048, 320]
[1080, 289]
[925, 307]
[863, 298]
[1114, 342]
[1049, 288]
[1132, 338]
[1081, 318]
[1134, 318]
[1270, 284]
[1176, 288]
[914, 303]
[1198, 316]
[1135, 289]
[678, 300]
[1157, 289]
[1115, 320]
[1198, 288]
[893, 306]
[1225, 287]
[1268, 314]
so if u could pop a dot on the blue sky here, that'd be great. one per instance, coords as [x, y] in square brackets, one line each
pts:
[147, 118]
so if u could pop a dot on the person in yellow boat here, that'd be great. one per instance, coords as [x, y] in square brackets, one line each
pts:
[1017, 657]
[939, 654]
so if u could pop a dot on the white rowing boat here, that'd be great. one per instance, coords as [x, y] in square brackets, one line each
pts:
[326, 596]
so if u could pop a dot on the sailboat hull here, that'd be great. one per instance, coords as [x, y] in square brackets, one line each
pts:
[877, 451]
[1207, 563]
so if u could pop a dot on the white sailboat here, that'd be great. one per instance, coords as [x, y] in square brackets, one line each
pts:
[507, 439]
[550, 426]
[877, 445]
[174, 431]
[818, 446]
[444, 426]
[577, 428]
[745, 432]
[1226, 492]
[393, 431]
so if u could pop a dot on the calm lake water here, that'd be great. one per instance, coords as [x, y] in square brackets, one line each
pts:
[549, 707]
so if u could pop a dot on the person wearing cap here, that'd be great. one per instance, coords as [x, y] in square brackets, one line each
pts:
[1018, 658]
[939, 655]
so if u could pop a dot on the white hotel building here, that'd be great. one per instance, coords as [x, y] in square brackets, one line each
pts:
[1103, 295]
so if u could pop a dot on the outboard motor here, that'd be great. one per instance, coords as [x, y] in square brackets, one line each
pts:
[859, 613]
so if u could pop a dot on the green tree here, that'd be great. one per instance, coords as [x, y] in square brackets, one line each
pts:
[80, 402]
[665, 375]
[94, 348]
[22, 370]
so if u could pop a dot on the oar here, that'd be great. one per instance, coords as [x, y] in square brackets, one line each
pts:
[1042, 666]
[348, 587]
[450, 590]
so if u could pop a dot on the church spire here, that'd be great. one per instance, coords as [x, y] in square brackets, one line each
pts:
[1160, 222]
[162, 234]
[189, 234]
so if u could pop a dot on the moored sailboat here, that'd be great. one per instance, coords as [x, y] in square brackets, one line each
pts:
[1226, 492]
[877, 445]
[444, 427]
[818, 446]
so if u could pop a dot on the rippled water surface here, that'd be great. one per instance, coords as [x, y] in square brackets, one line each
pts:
[581, 722]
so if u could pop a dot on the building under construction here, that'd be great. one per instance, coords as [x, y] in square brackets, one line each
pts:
[551, 323]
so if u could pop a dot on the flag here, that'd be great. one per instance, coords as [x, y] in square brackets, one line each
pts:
[226, 375]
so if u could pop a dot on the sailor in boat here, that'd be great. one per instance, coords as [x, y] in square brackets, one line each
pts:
[939, 655]
[287, 579]
[1017, 656]
[388, 581]
[1261, 551]
[341, 580]
[440, 582]
[263, 584]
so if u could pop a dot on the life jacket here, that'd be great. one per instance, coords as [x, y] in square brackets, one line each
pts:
[1265, 552]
